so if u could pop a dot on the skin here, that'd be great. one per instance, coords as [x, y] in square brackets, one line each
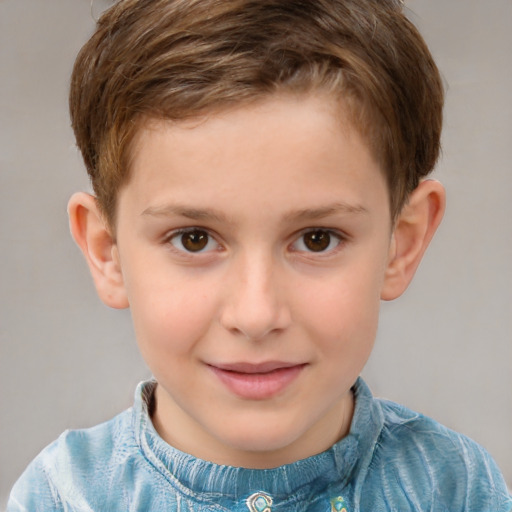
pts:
[290, 212]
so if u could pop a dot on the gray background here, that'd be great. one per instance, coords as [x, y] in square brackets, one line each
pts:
[67, 361]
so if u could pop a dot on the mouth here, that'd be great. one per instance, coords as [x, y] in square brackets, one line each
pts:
[257, 381]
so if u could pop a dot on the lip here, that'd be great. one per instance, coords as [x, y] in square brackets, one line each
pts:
[257, 381]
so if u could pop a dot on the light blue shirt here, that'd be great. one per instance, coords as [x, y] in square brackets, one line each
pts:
[392, 460]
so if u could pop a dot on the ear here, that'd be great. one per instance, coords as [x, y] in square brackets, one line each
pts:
[413, 231]
[94, 238]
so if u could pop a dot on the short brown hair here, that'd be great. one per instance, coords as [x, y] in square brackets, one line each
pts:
[175, 59]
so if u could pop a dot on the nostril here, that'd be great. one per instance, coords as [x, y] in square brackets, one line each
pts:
[254, 324]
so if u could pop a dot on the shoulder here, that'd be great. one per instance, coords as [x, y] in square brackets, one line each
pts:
[98, 447]
[435, 465]
[428, 441]
[66, 465]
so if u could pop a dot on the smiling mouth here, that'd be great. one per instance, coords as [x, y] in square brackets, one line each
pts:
[257, 381]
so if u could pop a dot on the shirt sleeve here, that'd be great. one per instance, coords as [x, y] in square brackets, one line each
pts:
[486, 488]
[34, 492]
[419, 464]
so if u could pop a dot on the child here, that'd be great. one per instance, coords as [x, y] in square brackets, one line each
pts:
[258, 169]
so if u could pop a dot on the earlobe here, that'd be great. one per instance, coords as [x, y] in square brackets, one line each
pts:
[413, 232]
[93, 236]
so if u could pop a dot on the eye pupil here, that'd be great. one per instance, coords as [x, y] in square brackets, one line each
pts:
[194, 241]
[317, 241]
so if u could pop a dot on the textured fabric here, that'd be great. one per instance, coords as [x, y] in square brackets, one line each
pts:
[392, 460]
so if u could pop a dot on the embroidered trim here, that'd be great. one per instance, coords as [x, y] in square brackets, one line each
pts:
[338, 505]
[259, 502]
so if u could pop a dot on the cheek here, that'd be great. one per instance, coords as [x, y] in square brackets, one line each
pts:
[343, 310]
[170, 315]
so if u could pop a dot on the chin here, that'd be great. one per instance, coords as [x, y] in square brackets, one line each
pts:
[263, 442]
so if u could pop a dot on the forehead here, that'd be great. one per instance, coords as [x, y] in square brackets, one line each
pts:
[284, 146]
[307, 107]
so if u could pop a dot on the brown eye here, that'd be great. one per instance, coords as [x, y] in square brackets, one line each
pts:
[195, 240]
[317, 241]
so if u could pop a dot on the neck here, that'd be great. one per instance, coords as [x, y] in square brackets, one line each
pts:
[181, 431]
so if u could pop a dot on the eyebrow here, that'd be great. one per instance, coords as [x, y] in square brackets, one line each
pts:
[326, 211]
[184, 211]
[217, 216]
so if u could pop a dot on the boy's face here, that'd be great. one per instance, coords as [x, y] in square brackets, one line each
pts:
[253, 247]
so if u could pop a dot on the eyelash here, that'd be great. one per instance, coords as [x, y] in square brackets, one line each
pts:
[338, 237]
[331, 234]
[179, 234]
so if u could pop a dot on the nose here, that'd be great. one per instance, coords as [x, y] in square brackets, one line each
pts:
[255, 305]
